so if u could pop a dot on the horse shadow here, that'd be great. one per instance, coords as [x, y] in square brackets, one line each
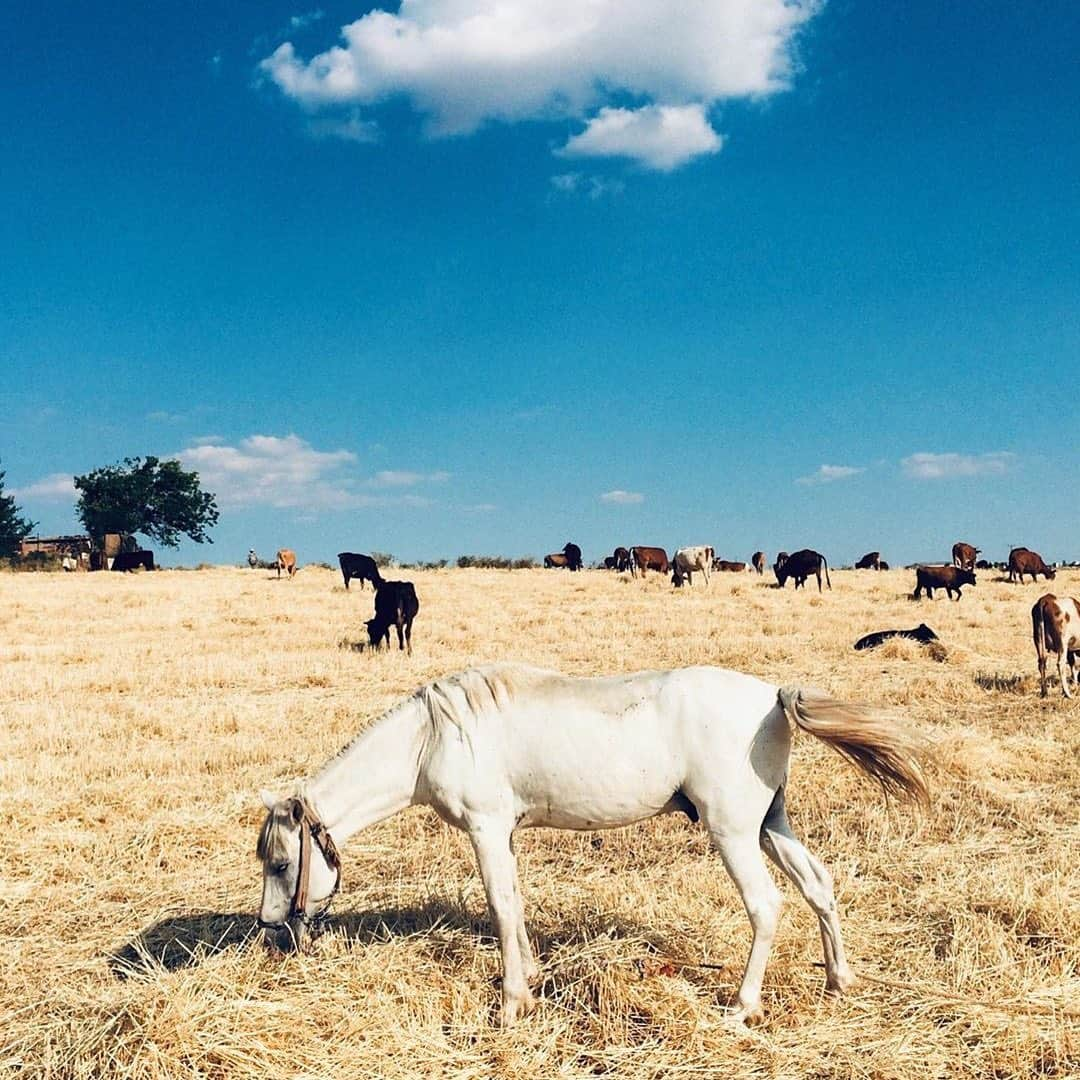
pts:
[187, 941]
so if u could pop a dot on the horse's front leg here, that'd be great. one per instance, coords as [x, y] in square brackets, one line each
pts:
[491, 842]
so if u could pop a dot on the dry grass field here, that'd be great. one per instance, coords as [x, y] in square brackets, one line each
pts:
[140, 714]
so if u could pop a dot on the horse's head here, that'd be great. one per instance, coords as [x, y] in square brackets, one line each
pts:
[301, 870]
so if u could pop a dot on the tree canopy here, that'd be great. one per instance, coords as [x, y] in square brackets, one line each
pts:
[14, 528]
[144, 495]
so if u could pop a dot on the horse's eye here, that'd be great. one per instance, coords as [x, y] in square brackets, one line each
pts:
[279, 867]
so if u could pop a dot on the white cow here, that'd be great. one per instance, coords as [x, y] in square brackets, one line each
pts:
[1055, 626]
[689, 559]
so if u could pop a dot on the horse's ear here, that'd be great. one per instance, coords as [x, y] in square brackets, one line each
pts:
[268, 800]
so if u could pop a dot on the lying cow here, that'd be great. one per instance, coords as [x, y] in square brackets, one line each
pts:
[285, 560]
[1055, 627]
[555, 561]
[1024, 561]
[395, 605]
[921, 633]
[358, 567]
[870, 561]
[949, 578]
[800, 566]
[725, 566]
[689, 559]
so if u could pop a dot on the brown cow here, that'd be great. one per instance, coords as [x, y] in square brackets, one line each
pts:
[1024, 561]
[963, 555]
[1055, 626]
[949, 578]
[286, 560]
[758, 560]
[870, 561]
[725, 566]
[648, 558]
[556, 560]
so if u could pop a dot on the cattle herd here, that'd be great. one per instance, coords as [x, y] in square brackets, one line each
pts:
[1055, 622]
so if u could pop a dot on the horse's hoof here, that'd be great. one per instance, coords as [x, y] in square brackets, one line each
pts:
[516, 1007]
[841, 982]
[744, 1016]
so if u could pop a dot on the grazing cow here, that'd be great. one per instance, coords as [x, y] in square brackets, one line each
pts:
[759, 559]
[556, 560]
[689, 559]
[648, 558]
[724, 566]
[921, 633]
[1055, 626]
[573, 556]
[355, 566]
[870, 561]
[1024, 561]
[134, 560]
[945, 577]
[883, 565]
[621, 556]
[610, 562]
[252, 558]
[800, 566]
[285, 560]
[395, 605]
[963, 555]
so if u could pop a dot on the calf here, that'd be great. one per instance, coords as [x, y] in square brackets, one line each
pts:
[689, 559]
[800, 566]
[1024, 561]
[285, 560]
[355, 566]
[921, 633]
[949, 578]
[1055, 627]
[395, 605]
[870, 561]
[758, 560]
[963, 555]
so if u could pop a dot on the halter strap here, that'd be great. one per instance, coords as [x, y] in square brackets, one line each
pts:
[312, 829]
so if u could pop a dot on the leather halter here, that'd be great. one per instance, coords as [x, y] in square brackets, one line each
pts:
[312, 829]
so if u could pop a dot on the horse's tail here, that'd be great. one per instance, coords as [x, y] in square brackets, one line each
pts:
[868, 739]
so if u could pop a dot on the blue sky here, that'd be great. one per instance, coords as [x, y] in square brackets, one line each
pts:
[488, 278]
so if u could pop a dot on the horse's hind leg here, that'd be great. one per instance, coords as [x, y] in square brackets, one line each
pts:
[762, 900]
[813, 880]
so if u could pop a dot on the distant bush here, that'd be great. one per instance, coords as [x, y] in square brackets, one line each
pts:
[323, 565]
[33, 562]
[382, 559]
[421, 565]
[494, 562]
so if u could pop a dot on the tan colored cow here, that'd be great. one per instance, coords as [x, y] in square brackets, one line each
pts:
[1055, 626]
[286, 560]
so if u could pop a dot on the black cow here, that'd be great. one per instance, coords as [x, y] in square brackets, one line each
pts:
[949, 578]
[134, 560]
[360, 567]
[395, 605]
[573, 556]
[921, 633]
[800, 565]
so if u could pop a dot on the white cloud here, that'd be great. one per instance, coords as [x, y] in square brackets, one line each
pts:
[56, 487]
[390, 478]
[661, 137]
[827, 473]
[351, 128]
[463, 63]
[299, 22]
[622, 498]
[925, 466]
[595, 187]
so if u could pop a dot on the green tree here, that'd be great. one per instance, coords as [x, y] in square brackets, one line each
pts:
[13, 527]
[148, 496]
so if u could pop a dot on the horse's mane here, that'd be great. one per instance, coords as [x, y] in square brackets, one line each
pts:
[461, 698]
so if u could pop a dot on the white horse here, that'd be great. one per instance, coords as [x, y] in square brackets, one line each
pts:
[504, 747]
